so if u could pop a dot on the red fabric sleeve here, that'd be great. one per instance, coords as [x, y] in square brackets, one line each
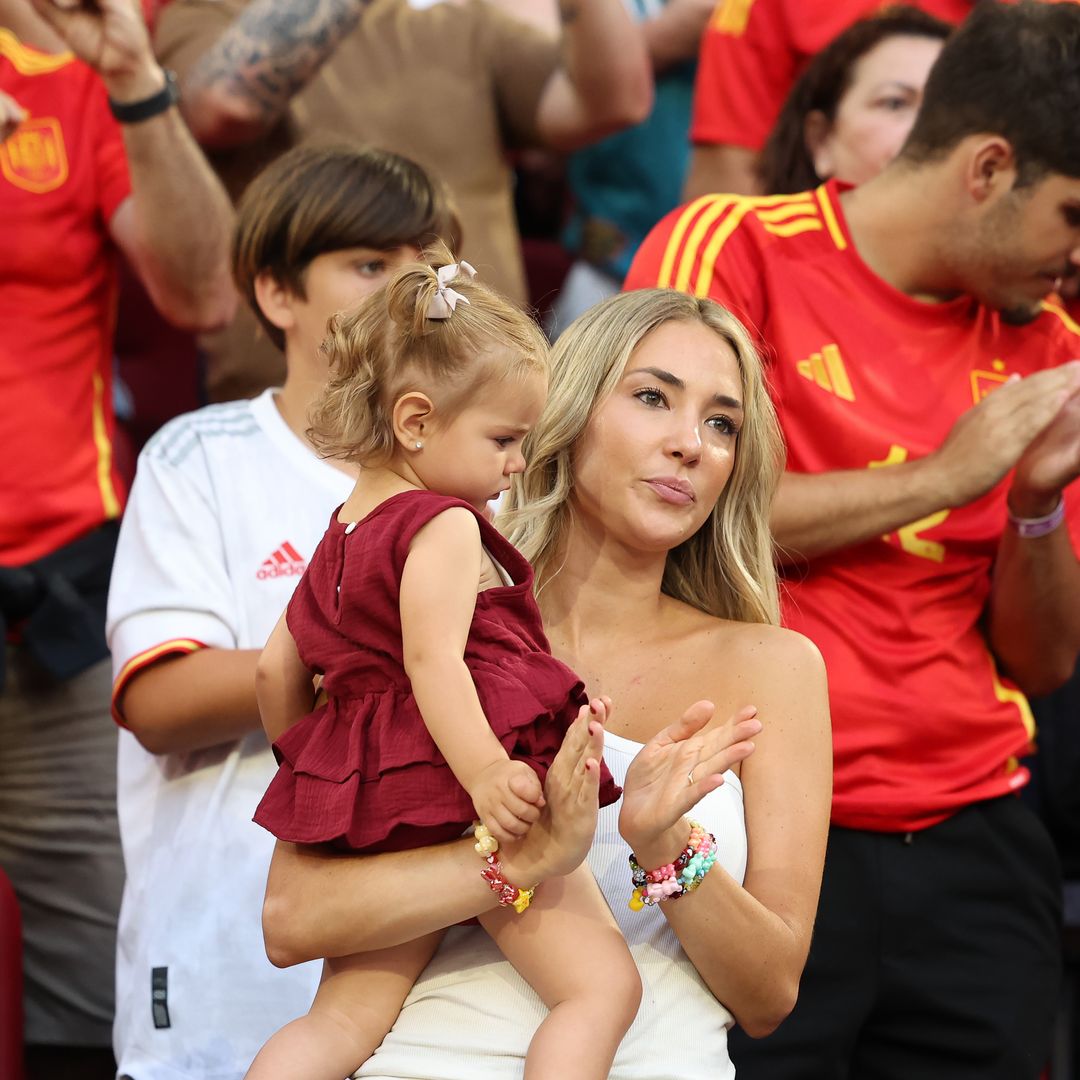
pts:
[707, 249]
[110, 157]
[747, 64]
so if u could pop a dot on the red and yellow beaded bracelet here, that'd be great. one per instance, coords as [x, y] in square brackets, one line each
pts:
[508, 893]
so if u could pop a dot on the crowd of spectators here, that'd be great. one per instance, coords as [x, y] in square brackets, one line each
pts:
[899, 236]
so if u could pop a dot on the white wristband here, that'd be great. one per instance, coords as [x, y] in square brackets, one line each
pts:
[1032, 528]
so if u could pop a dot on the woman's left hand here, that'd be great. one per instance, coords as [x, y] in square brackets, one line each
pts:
[673, 771]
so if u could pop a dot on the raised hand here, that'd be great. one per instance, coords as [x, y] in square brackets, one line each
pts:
[673, 771]
[111, 37]
[1049, 464]
[988, 440]
[561, 837]
[12, 115]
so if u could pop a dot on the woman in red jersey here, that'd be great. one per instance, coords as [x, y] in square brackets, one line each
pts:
[851, 109]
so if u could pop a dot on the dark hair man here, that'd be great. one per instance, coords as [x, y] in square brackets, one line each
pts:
[932, 415]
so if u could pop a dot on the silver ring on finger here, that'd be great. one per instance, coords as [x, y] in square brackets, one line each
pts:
[690, 777]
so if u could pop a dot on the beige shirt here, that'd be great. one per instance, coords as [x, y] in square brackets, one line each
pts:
[452, 86]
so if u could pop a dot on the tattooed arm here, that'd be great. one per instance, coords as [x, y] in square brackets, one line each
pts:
[243, 84]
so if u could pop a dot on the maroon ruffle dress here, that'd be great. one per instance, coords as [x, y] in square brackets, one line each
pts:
[362, 772]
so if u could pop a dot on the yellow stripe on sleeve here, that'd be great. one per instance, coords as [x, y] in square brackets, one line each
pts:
[793, 228]
[693, 244]
[799, 204]
[671, 251]
[144, 659]
[772, 208]
[829, 214]
[716, 242]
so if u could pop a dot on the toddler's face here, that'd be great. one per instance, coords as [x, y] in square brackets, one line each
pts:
[473, 456]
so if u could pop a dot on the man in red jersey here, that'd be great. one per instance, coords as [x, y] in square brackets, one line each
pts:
[932, 417]
[94, 158]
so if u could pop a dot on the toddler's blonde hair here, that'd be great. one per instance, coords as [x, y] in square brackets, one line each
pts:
[387, 345]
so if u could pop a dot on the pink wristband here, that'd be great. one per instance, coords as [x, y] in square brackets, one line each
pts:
[1032, 528]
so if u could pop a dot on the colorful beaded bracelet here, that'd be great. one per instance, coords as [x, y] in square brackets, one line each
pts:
[509, 894]
[674, 879]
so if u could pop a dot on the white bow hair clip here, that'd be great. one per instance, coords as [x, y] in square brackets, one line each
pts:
[446, 299]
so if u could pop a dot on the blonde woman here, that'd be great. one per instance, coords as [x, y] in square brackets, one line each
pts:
[644, 510]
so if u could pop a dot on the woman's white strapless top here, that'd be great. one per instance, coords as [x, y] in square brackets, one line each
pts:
[471, 1016]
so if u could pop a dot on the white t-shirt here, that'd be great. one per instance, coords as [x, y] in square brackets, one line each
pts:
[227, 506]
[471, 1015]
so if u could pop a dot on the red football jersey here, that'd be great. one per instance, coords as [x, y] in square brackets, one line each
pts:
[63, 173]
[753, 51]
[863, 377]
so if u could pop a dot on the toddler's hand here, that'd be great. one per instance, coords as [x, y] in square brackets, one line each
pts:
[507, 797]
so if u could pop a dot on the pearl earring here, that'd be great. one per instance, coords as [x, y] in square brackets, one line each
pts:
[418, 445]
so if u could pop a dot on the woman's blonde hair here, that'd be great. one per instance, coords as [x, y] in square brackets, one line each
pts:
[388, 344]
[726, 568]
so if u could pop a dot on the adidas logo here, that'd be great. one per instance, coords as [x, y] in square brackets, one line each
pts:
[827, 370]
[285, 562]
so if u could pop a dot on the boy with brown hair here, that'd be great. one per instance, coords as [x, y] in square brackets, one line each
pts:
[227, 504]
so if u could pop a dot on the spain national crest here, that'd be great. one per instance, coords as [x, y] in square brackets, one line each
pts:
[986, 382]
[33, 158]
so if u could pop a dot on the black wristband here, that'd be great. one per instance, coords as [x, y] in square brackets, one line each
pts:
[132, 112]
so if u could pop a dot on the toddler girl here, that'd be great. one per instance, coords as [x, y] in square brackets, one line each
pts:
[444, 703]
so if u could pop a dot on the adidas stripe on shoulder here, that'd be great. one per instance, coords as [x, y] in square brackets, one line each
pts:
[175, 441]
[704, 226]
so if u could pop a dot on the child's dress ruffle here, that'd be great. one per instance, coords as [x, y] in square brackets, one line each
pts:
[362, 772]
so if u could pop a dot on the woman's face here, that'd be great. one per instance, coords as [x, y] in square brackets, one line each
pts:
[876, 113]
[658, 452]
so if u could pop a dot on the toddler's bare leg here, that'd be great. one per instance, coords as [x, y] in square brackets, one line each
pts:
[358, 1001]
[569, 949]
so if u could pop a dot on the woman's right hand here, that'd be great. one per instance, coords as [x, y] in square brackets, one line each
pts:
[673, 771]
[559, 841]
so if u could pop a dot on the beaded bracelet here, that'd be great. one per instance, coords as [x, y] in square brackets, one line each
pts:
[486, 844]
[674, 879]
[509, 894]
